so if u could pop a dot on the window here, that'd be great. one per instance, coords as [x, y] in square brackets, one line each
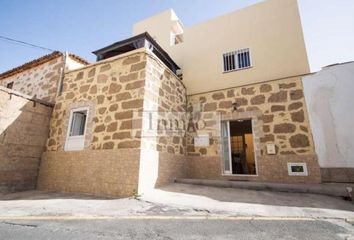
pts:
[237, 60]
[297, 169]
[75, 139]
[10, 85]
[78, 122]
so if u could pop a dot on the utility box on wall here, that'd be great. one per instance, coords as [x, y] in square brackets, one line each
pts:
[271, 149]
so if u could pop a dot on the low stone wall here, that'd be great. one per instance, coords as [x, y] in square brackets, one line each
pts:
[112, 173]
[270, 169]
[344, 175]
[24, 128]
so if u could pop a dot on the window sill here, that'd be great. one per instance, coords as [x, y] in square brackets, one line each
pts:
[236, 70]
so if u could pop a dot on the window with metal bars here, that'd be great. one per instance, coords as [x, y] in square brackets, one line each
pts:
[237, 60]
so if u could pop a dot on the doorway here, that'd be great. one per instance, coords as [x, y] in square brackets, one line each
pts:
[238, 147]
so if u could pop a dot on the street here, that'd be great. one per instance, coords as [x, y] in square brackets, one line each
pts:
[164, 228]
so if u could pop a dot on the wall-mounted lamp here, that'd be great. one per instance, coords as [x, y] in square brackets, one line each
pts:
[234, 106]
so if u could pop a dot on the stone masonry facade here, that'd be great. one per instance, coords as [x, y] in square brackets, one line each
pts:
[281, 109]
[24, 128]
[133, 102]
[118, 92]
[41, 81]
[279, 116]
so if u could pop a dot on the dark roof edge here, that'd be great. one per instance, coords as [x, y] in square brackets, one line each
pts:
[132, 39]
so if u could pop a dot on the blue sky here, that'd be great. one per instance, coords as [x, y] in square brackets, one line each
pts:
[82, 26]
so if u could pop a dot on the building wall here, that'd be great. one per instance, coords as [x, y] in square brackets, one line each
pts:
[330, 101]
[118, 91]
[40, 82]
[112, 173]
[278, 113]
[271, 29]
[24, 128]
[113, 90]
[163, 145]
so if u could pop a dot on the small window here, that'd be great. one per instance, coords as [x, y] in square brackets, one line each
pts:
[237, 60]
[78, 123]
[10, 85]
[297, 169]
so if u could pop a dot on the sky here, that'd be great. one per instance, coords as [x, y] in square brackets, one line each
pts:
[82, 26]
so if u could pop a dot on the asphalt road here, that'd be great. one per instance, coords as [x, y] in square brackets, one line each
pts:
[171, 229]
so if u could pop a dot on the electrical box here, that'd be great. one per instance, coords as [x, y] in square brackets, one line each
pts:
[271, 149]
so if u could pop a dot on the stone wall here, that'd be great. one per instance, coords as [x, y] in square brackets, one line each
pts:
[118, 92]
[114, 91]
[165, 97]
[24, 128]
[163, 145]
[278, 113]
[40, 82]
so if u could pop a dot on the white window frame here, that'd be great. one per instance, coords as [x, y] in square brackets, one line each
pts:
[303, 165]
[69, 139]
[236, 60]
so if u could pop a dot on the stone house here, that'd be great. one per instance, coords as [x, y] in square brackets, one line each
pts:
[41, 77]
[27, 96]
[175, 102]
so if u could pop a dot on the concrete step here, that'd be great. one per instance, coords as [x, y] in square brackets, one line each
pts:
[330, 189]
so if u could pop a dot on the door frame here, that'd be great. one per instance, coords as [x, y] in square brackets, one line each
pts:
[223, 173]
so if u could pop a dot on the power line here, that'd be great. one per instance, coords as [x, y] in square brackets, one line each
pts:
[26, 43]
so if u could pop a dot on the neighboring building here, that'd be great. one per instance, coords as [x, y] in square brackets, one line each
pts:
[219, 100]
[27, 96]
[24, 129]
[40, 78]
[329, 98]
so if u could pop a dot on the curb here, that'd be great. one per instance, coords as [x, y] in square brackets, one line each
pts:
[156, 217]
[338, 190]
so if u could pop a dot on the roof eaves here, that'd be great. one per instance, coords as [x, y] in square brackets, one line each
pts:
[30, 64]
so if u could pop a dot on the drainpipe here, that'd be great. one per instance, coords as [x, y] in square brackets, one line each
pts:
[62, 71]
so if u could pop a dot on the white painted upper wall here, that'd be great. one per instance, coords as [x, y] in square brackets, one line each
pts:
[330, 103]
[271, 29]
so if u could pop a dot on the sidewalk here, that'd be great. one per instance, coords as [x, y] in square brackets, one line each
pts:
[242, 202]
[177, 200]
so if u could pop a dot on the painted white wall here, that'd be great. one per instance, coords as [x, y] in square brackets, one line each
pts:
[72, 64]
[329, 96]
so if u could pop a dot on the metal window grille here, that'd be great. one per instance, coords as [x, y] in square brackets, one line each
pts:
[237, 60]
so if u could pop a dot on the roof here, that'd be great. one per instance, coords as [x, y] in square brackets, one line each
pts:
[78, 58]
[336, 64]
[39, 61]
[133, 43]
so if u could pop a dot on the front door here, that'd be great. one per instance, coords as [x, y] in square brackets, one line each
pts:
[237, 147]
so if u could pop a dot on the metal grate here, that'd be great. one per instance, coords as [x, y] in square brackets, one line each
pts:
[237, 60]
